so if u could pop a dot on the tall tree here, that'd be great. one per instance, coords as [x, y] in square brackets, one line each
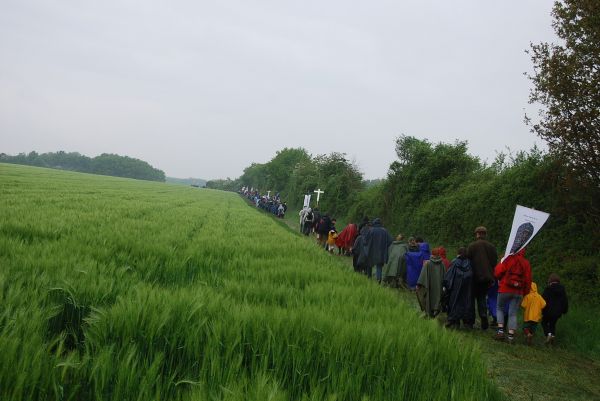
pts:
[566, 82]
[342, 181]
[281, 167]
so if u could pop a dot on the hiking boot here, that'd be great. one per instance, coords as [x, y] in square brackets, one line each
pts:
[484, 323]
[500, 336]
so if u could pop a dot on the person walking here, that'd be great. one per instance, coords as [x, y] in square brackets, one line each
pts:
[394, 271]
[514, 282]
[424, 247]
[557, 304]
[308, 222]
[359, 256]
[414, 263]
[457, 284]
[492, 303]
[533, 304]
[316, 219]
[359, 252]
[346, 238]
[483, 257]
[429, 284]
[445, 261]
[302, 214]
[377, 243]
[323, 229]
[331, 237]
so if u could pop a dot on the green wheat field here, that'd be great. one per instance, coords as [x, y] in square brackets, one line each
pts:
[117, 289]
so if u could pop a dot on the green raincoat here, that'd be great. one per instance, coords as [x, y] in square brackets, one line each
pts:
[430, 286]
[396, 265]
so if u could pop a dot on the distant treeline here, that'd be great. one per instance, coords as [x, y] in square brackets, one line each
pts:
[197, 182]
[105, 164]
[441, 192]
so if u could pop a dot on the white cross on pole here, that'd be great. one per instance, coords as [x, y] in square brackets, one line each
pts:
[318, 192]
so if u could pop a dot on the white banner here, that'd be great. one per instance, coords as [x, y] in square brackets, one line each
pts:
[307, 200]
[526, 224]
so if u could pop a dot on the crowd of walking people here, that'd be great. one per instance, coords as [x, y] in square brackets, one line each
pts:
[272, 204]
[474, 283]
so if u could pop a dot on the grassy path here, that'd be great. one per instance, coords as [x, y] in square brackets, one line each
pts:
[521, 372]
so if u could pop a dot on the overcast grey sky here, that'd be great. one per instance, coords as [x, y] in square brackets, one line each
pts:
[204, 88]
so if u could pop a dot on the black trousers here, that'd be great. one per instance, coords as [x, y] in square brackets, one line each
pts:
[479, 292]
[549, 325]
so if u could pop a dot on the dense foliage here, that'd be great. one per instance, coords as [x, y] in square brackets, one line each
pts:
[115, 289]
[224, 184]
[566, 82]
[105, 164]
[294, 173]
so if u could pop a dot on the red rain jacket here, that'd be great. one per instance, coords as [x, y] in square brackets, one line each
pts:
[502, 273]
[347, 237]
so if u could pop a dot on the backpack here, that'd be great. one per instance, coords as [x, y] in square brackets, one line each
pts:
[515, 276]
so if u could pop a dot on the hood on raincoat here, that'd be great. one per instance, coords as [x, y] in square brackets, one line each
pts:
[424, 247]
[463, 264]
[509, 262]
[442, 252]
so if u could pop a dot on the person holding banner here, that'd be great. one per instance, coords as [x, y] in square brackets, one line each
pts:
[483, 257]
[308, 222]
[305, 220]
[514, 282]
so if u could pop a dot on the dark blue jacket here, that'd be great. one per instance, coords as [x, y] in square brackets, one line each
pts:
[377, 242]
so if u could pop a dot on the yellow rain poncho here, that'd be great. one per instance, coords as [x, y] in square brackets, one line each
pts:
[533, 303]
